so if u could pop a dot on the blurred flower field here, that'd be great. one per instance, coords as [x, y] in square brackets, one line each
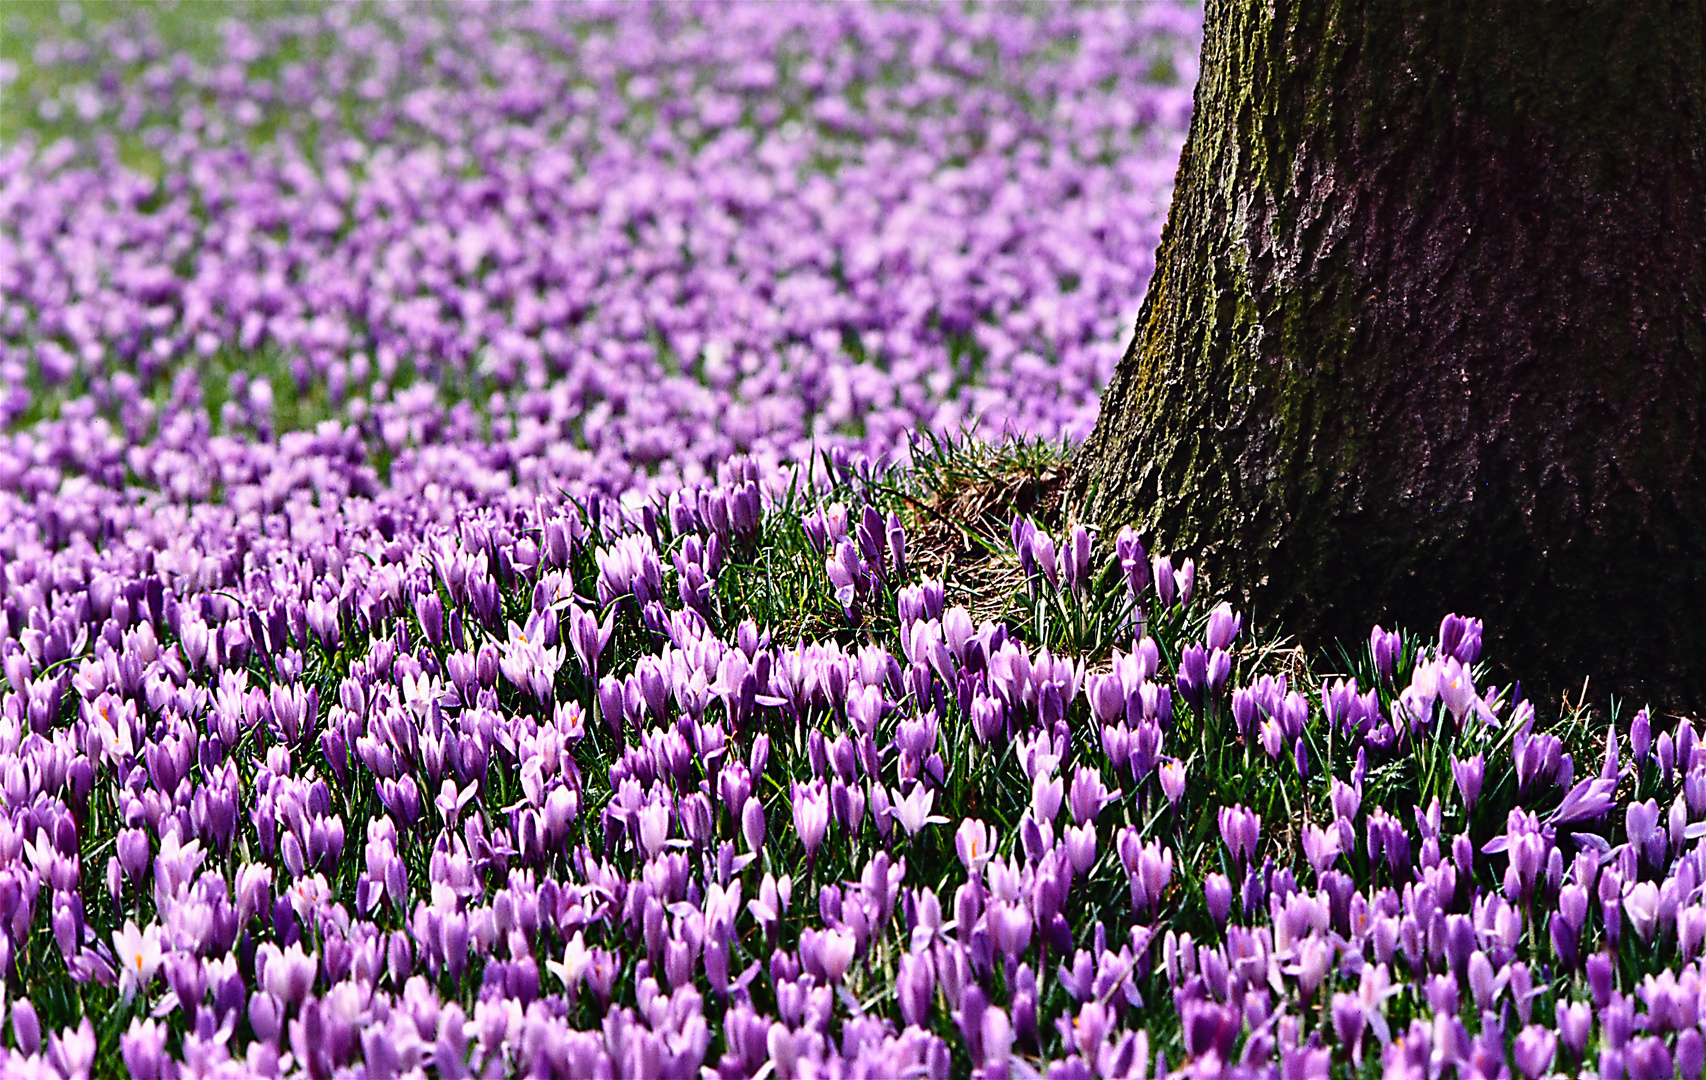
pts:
[506, 568]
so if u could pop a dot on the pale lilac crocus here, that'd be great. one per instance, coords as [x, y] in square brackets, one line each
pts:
[835, 952]
[589, 637]
[1587, 801]
[752, 824]
[975, 844]
[1534, 1050]
[1223, 626]
[1087, 795]
[143, 1048]
[1641, 904]
[1468, 775]
[1172, 776]
[572, 968]
[913, 810]
[811, 814]
[139, 954]
[1320, 847]
[1240, 831]
[1217, 891]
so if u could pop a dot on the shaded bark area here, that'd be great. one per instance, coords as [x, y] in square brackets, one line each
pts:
[1427, 332]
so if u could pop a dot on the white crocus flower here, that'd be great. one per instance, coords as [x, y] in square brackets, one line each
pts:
[913, 812]
[138, 953]
[576, 958]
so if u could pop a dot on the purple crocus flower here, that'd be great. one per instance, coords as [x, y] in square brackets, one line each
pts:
[1193, 674]
[1469, 775]
[1166, 582]
[915, 986]
[1149, 867]
[1587, 801]
[1574, 1025]
[589, 637]
[1240, 830]
[1649, 1059]
[1219, 669]
[143, 1047]
[811, 813]
[1024, 533]
[1534, 1050]
[1043, 556]
[1075, 567]
[1172, 776]
[1460, 638]
[1690, 1052]
[1385, 646]
[1223, 626]
[1134, 562]
[1088, 795]
[1187, 579]
[1217, 890]
[1641, 737]
[752, 824]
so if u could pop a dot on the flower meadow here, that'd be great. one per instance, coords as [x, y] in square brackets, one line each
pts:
[481, 592]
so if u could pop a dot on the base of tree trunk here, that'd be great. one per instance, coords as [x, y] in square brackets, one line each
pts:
[1427, 333]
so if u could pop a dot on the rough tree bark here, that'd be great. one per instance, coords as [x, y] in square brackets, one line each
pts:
[1427, 332]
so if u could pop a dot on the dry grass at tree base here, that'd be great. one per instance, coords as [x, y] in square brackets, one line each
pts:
[959, 502]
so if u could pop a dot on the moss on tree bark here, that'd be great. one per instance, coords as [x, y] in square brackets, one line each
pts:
[1427, 332]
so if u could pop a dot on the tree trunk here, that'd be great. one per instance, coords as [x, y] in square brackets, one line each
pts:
[1427, 332]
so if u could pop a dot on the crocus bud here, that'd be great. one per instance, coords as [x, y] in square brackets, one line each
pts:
[1081, 846]
[896, 536]
[1534, 1049]
[1193, 674]
[612, 704]
[26, 1027]
[1217, 890]
[1602, 973]
[1650, 1059]
[266, 1016]
[134, 854]
[811, 814]
[1575, 1024]
[1134, 562]
[1172, 774]
[1042, 552]
[1223, 626]
[752, 824]
[915, 986]
[759, 756]
[486, 664]
[1166, 584]
[17, 665]
[835, 953]
[1219, 668]
[143, 1048]
[881, 810]
[429, 609]
[1469, 776]
[1077, 563]
[1690, 1052]
[1641, 737]
[1384, 645]
[1107, 698]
